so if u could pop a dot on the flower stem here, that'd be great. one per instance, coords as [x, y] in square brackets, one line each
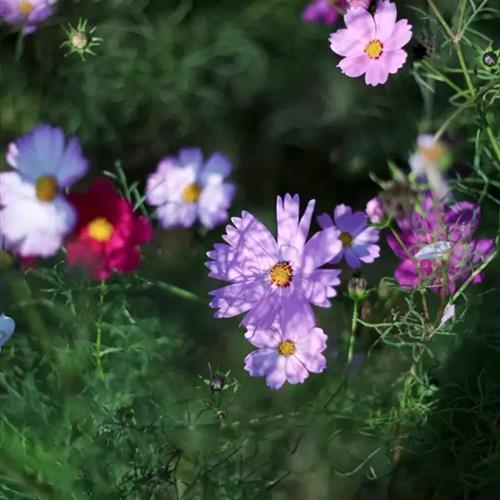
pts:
[352, 336]
[98, 355]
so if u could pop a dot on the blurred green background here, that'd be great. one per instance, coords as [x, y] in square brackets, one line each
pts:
[252, 80]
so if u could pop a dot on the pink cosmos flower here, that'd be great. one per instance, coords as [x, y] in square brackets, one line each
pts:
[286, 353]
[372, 44]
[270, 277]
[188, 188]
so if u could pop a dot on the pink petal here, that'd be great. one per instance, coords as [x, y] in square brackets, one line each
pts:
[354, 66]
[295, 371]
[360, 22]
[261, 362]
[385, 19]
[346, 43]
[376, 73]
[237, 298]
[277, 377]
[263, 337]
[393, 60]
[400, 35]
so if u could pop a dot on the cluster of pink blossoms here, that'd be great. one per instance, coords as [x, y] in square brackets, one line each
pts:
[275, 281]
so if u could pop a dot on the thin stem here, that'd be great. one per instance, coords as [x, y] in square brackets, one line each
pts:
[98, 355]
[471, 278]
[493, 142]
[352, 336]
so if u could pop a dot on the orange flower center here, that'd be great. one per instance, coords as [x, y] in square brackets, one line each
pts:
[191, 193]
[287, 348]
[346, 239]
[434, 152]
[100, 229]
[46, 188]
[281, 274]
[25, 7]
[374, 49]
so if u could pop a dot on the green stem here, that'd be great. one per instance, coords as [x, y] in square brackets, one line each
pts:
[98, 355]
[493, 142]
[352, 336]
[471, 278]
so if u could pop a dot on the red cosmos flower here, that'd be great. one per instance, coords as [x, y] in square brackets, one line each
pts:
[108, 233]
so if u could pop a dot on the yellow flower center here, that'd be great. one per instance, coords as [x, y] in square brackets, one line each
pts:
[346, 239]
[281, 274]
[191, 193]
[100, 229]
[25, 7]
[46, 188]
[433, 153]
[374, 49]
[287, 348]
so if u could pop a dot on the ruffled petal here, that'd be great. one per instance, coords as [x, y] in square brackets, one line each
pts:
[385, 19]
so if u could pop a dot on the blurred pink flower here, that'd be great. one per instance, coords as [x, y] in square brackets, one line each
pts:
[371, 45]
[323, 11]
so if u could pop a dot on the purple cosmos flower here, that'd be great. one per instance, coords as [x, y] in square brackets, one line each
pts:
[372, 44]
[436, 246]
[186, 188]
[358, 239]
[375, 211]
[270, 277]
[26, 13]
[286, 352]
[35, 215]
[323, 11]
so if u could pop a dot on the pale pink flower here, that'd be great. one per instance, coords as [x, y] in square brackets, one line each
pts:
[371, 45]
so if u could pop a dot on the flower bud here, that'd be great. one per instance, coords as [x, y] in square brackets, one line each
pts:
[217, 383]
[375, 211]
[490, 58]
[357, 287]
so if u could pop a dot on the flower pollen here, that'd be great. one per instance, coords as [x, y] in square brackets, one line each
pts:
[191, 193]
[434, 152]
[287, 348]
[346, 239]
[374, 49]
[281, 274]
[25, 7]
[46, 188]
[100, 229]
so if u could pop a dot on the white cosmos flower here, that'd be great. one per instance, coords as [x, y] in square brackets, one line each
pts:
[34, 213]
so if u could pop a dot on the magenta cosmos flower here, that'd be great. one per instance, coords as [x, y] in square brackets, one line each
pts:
[358, 239]
[270, 277]
[26, 13]
[437, 248]
[323, 11]
[371, 45]
[286, 352]
[35, 215]
[186, 189]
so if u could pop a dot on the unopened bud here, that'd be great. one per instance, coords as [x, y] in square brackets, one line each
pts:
[490, 58]
[357, 287]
